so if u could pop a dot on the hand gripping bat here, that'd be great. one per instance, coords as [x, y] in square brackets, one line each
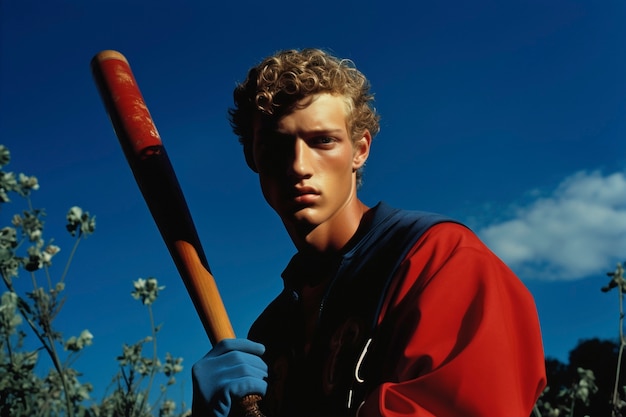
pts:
[157, 181]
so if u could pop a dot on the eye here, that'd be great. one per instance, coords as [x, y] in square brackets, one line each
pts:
[271, 141]
[323, 140]
[271, 150]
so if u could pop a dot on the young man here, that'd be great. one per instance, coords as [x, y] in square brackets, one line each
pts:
[384, 312]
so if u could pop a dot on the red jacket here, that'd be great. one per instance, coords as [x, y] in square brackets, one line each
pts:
[470, 343]
[457, 334]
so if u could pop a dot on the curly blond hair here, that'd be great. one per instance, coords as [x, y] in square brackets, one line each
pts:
[274, 87]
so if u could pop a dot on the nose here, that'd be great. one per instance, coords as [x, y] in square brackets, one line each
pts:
[300, 165]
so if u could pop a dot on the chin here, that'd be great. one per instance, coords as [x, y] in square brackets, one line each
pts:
[301, 217]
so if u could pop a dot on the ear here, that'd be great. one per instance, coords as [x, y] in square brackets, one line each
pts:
[361, 150]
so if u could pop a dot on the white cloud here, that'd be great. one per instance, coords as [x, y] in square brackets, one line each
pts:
[578, 231]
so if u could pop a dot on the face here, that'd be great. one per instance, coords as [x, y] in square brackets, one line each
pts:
[307, 162]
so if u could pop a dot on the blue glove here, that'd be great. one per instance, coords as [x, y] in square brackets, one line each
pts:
[230, 371]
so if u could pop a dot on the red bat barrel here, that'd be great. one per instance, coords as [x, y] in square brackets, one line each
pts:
[157, 181]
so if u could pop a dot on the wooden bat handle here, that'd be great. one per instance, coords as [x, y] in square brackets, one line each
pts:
[203, 284]
[212, 309]
[157, 181]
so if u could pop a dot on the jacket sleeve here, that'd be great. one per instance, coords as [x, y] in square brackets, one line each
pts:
[466, 339]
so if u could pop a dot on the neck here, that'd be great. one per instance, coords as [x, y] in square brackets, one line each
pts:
[333, 235]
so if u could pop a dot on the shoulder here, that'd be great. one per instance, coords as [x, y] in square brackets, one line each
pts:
[449, 237]
[401, 227]
[450, 257]
[452, 249]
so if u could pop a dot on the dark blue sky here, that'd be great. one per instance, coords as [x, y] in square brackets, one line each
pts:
[510, 116]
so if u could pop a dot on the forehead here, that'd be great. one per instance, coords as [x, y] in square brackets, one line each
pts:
[316, 112]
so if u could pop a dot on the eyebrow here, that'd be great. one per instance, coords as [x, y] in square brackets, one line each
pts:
[326, 131]
[266, 131]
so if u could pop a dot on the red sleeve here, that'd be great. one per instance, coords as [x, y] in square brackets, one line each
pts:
[468, 341]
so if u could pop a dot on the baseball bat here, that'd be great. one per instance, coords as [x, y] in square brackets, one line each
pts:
[161, 190]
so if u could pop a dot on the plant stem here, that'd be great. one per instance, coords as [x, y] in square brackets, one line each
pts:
[57, 365]
[622, 343]
[154, 358]
[49, 346]
[69, 259]
[34, 281]
[9, 348]
[48, 277]
[536, 411]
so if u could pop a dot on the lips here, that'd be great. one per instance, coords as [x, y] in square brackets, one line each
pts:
[305, 195]
[305, 190]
